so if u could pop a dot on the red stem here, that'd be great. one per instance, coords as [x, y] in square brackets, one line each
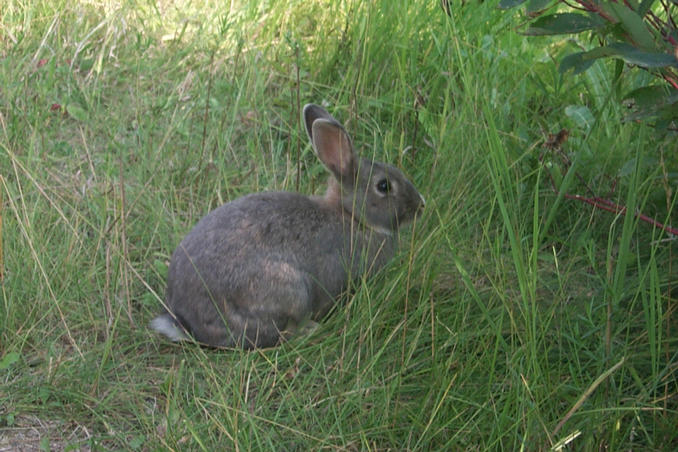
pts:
[670, 80]
[608, 205]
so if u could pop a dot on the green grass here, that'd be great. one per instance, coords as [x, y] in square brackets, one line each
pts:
[512, 318]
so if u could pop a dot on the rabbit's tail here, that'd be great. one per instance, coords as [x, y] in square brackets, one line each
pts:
[166, 325]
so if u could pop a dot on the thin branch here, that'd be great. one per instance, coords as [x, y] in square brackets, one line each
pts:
[595, 201]
[606, 204]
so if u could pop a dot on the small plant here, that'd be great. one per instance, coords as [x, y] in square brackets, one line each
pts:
[641, 34]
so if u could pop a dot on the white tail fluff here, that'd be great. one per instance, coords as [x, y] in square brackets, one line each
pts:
[166, 325]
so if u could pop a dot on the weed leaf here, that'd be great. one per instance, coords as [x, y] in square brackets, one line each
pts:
[563, 23]
[508, 4]
[9, 359]
[535, 6]
[632, 23]
[77, 112]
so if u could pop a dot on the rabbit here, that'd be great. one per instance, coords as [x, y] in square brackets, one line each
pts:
[258, 268]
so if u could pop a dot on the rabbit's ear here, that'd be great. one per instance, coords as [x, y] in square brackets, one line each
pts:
[311, 113]
[334, 148]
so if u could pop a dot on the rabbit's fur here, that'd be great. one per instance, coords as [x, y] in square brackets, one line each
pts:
[254, 269]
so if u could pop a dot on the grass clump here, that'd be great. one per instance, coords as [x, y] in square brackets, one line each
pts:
[514, 317]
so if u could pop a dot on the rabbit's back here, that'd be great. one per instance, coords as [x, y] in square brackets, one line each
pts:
[263, 263]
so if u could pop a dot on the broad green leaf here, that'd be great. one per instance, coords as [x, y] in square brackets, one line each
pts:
[86, 64]
[576, 62]
[626, 52]
[653, 102]
[647, 96]
[618, 69]
[563, 23]
[633, 24]
[645, 7]
[508, 4]
[581, 115]
[628, 168]
[632, 55]
[9, 359]
[665, 115]
[537, 5]
[669, 111]
[136, 442]
[77, 112]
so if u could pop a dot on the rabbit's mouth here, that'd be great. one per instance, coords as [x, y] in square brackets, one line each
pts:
[379, 229]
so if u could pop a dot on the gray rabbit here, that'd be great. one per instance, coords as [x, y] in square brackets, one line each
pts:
[255, 269]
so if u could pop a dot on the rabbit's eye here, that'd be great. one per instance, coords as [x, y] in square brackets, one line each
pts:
[383, 186]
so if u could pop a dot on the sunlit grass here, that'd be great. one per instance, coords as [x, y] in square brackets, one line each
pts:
[499, 325]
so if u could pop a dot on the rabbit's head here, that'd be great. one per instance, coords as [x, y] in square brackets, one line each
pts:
[377, 194]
